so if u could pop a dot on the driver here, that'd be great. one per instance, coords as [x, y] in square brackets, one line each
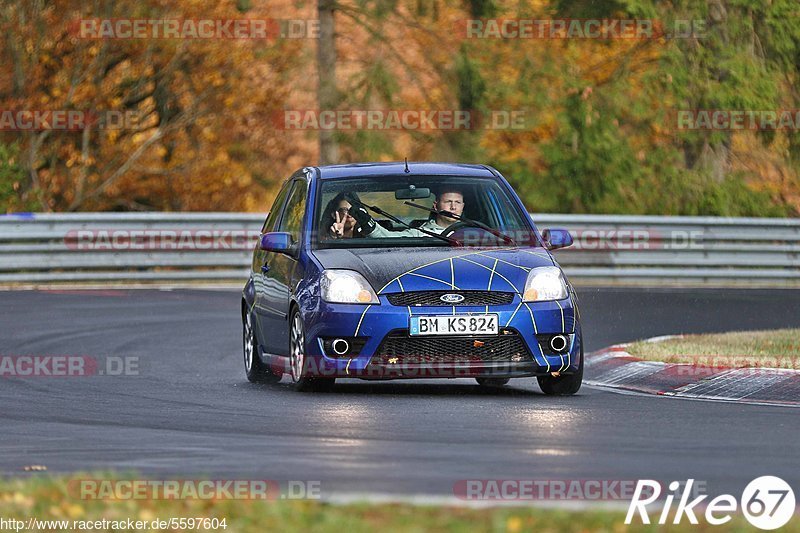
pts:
[448, 200]
[451, 200]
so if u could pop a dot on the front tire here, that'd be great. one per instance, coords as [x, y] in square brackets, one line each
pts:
[566, 385]
[297, 359]
[256, 371]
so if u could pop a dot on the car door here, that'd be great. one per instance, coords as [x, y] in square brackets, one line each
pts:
[277, 277]
[260, 258]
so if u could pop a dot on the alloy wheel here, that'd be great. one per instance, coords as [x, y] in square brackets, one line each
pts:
[297, 351]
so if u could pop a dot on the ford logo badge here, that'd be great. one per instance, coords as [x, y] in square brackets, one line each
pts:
[452, 298]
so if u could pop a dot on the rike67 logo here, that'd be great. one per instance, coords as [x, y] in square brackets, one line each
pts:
[767, 503]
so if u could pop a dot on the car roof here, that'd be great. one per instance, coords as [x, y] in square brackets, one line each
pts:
[354, 170]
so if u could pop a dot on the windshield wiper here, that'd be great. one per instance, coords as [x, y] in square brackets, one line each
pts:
[393, 218]
[468, 221]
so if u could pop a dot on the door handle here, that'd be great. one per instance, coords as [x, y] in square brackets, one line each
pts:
[264, 268]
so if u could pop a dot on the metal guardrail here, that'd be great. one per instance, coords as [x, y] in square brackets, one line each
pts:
[680, 250]
[216, 247]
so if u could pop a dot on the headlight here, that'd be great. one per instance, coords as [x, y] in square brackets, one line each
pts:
[346, 287]
[543, 284]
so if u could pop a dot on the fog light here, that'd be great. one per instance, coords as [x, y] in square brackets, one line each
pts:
[340, 346]
[559, 343]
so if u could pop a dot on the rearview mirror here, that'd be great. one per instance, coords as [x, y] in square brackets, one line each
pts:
[277, 241]
[412, 193]
[556, 238]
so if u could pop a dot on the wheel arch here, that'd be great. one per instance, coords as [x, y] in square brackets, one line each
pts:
[248, 296]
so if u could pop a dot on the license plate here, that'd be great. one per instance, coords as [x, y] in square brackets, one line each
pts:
[454, 325]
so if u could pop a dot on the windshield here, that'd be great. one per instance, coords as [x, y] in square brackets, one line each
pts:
[418, 211]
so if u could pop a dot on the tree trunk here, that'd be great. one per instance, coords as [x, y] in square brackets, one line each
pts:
[326, 70]
[700, 152]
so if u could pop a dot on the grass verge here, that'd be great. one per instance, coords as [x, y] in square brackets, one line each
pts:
[778, 348]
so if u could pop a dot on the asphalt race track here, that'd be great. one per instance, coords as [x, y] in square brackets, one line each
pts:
[189, 411]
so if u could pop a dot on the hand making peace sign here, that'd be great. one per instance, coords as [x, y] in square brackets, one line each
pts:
[337, 229]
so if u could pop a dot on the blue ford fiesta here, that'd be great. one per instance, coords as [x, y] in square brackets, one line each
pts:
[408, 270]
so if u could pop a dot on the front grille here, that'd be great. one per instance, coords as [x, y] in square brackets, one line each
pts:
[432, 298]
[508, 347]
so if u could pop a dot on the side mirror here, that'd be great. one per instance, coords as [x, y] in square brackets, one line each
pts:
[277, 241]
[556, 238]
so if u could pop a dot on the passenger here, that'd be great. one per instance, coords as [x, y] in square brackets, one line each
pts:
[337, 213]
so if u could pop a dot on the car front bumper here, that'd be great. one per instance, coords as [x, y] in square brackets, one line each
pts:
[520, 351]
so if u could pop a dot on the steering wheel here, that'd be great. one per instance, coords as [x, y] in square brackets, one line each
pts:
[451, 230]
[454, 227]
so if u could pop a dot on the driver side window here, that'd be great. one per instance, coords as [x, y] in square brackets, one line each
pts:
[292, 221]
[274, 215]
